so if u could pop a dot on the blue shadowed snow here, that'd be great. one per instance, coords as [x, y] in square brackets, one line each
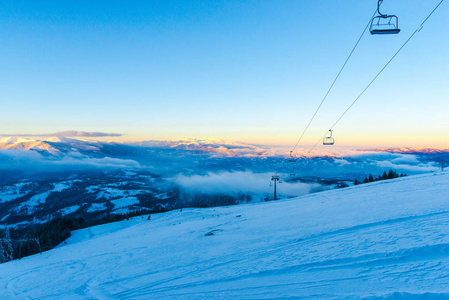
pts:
[384, 240]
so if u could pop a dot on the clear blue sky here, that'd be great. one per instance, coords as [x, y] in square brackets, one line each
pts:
[252, 71]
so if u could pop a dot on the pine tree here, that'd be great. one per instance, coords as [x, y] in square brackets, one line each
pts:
[2, 253]
[356, 182]
[370, 178]
[390, 174]
[9, 252]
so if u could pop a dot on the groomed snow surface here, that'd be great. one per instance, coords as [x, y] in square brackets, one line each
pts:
[386, 239]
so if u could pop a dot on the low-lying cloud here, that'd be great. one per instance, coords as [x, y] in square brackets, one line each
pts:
[402, 162]
[241, 183]
[34, 162]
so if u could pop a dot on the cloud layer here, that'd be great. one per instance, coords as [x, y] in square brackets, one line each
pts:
[241, 182]
[34, 162]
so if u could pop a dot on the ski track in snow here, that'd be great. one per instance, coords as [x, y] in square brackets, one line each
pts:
[385, 240]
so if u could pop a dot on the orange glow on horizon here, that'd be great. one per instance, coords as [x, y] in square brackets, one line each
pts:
[357, 140]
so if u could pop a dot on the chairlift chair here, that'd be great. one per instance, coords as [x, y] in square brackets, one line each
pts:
[384, 24]
[328, 140]
[292, 158]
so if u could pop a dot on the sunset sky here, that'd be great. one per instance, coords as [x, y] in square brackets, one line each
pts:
[252, 71]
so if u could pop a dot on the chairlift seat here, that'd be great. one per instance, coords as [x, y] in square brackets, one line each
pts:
[384, 24]
[292, 158]
[328, 141]
[385, 31]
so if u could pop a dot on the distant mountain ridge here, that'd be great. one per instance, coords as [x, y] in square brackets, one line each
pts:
[414, 150]
[23, 144]
[62, 146]
[57, 146]
[217, 146]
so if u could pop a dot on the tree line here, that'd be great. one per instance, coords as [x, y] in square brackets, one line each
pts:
[45, 236]
[386, 175]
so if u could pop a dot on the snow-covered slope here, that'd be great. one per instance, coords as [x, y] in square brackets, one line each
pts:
[387, 239]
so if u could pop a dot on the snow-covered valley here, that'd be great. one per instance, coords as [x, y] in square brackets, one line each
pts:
[384, 239]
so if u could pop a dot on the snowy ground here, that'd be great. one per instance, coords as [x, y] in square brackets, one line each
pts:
[386, 239]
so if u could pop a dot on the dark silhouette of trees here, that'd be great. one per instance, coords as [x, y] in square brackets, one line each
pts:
[45, 236]
[386, 175]
[6, 249]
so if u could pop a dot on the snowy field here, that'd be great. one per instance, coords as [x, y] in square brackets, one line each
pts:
[387, 240]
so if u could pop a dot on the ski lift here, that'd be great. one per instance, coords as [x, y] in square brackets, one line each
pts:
[292, 158]
[384, 24]
[275, 178]
[292, 172]
[328, 140]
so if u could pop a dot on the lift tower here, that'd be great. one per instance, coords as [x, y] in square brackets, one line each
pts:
[275, 178]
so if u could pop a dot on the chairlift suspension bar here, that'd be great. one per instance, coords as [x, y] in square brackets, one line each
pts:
[378, 9]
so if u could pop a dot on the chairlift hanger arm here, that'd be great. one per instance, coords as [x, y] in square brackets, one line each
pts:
[379, 2]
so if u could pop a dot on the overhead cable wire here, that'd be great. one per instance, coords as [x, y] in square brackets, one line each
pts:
[333, 83]
[329, 90]
[375, 77]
